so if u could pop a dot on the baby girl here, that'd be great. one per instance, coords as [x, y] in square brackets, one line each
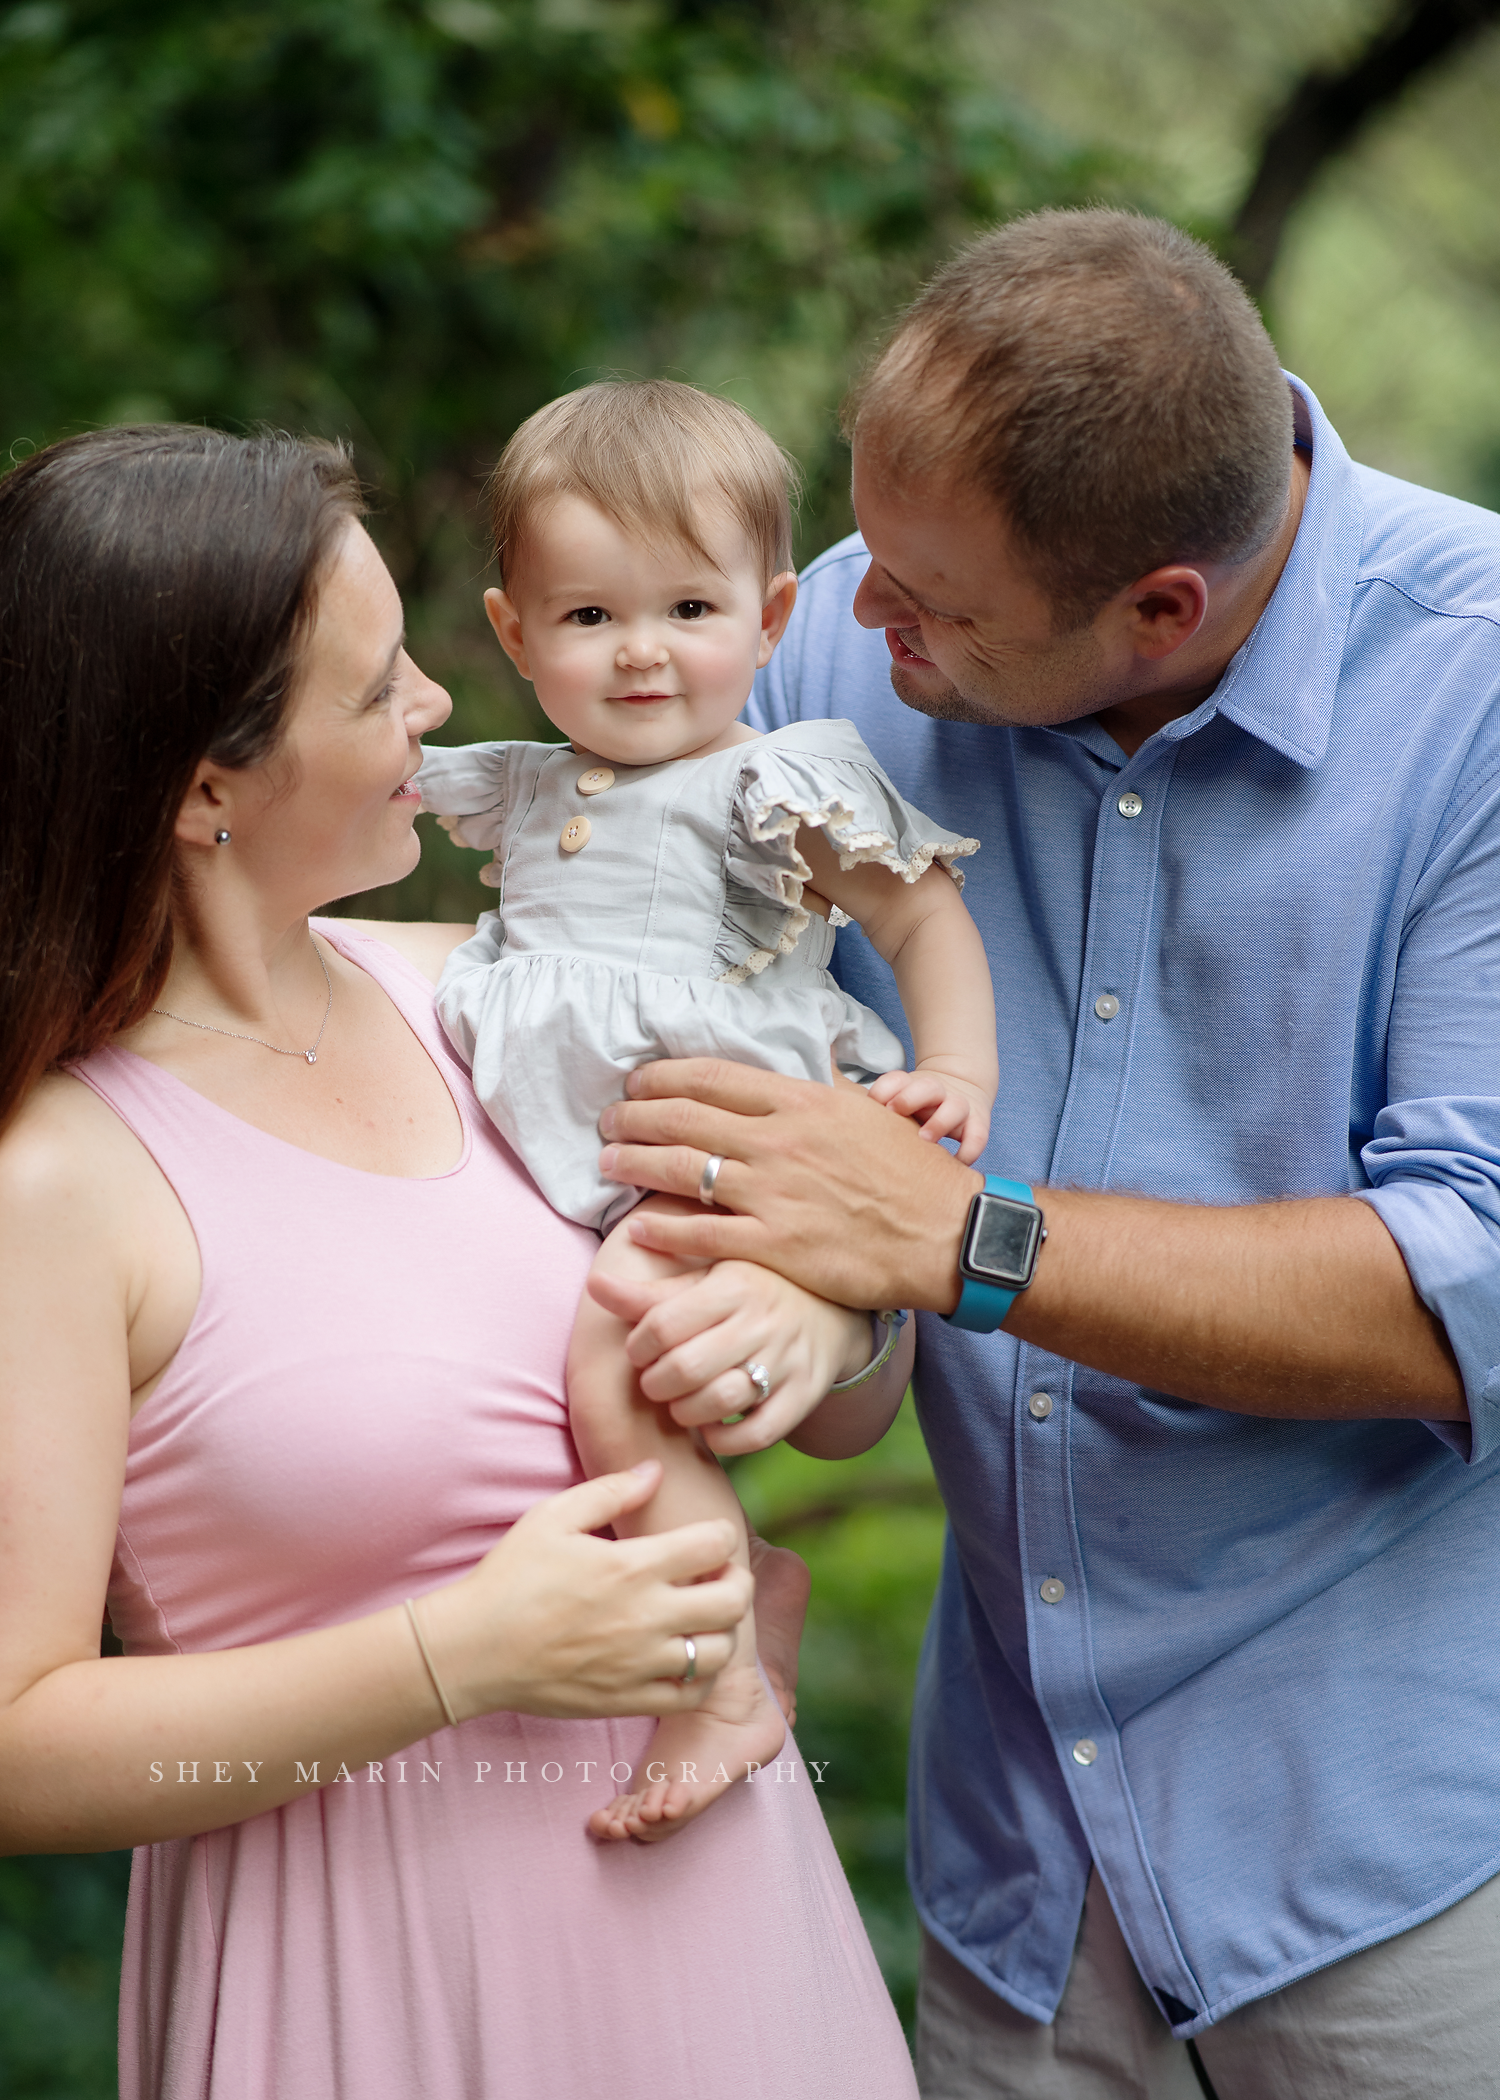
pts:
[668, 886]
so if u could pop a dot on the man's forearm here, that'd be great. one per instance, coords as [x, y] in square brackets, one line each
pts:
[1300, 1309]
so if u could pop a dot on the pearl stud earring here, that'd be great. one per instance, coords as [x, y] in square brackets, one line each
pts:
[221, 838]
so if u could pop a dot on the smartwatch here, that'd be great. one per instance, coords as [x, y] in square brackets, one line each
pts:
[997, 1258]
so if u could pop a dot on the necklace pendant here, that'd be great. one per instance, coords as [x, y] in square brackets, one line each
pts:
[311, 1056]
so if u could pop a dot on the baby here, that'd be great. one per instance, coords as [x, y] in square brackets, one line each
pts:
[668, 886]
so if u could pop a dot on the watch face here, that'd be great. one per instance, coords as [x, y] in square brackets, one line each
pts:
[1002, 1242]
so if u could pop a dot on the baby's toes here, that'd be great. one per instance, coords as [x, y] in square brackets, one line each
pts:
[651, 1807]
[612, 1825]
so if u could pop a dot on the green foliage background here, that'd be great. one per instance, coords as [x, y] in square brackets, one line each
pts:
[406, 225]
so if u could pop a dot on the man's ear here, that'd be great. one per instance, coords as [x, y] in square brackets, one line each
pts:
[506, 622]
[781, 596]
[1163, 610]
[207, 808]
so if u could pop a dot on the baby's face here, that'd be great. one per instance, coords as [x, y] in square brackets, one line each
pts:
[638, 654]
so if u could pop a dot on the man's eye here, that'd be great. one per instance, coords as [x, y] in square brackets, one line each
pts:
[690, 609]
[589, 615]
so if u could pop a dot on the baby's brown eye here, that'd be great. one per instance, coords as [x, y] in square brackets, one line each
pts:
[589, 615]
[690, 609]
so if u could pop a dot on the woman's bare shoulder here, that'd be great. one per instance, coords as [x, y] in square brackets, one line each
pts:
[425, 944]
[65, 1151]
[69, 1171]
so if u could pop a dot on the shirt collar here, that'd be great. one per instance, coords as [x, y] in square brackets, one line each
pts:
[1280, 685]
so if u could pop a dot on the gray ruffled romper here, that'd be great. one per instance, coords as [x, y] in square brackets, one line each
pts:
[656, 911]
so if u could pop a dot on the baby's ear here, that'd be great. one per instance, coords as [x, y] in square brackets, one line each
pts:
[781, 596]
[506, 621]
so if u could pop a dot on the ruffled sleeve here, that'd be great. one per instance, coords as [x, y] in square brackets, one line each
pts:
[467, 790]
[823, 774]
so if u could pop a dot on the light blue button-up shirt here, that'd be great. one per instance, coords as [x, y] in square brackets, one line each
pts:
[1259, 959]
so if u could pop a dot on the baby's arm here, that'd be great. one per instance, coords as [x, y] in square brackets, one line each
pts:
[923, 931]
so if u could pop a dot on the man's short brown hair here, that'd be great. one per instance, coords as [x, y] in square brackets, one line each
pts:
[647, 453]
[1107, 381]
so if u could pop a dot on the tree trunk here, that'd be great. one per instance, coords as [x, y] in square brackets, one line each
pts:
[1326, 111]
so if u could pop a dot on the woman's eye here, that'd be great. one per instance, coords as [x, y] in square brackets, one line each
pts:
[690, 609]
[589, 615]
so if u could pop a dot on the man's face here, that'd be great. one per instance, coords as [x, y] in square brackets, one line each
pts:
[969, 630]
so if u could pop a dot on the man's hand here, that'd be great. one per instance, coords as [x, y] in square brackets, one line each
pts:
[819, 1183]
[1301, 1309]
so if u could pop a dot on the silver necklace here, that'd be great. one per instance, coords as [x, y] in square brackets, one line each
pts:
[233, 1033]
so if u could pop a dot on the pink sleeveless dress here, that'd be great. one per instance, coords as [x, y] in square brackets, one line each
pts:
[370, 1391]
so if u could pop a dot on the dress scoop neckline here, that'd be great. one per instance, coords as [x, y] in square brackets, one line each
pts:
[430, 1048]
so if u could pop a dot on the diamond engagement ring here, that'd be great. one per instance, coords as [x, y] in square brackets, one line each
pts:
[692, 1658]
[709, 1177]
[760, 1378]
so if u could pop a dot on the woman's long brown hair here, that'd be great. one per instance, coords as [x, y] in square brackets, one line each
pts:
[156, 588]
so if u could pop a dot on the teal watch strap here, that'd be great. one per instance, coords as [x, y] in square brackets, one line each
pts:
[982, 1306]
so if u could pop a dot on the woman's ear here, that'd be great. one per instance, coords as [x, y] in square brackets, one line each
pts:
[506, 622]
[781, 596]
[206, 817]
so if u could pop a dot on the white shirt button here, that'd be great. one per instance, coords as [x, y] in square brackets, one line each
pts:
[1106, 1006]
[1085, 1750]
[1040, 1405]
[595, 780]
[1130, 804]
[1053, 1591]
[574, 835]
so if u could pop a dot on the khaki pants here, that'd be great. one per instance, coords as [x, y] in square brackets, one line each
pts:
[1416, 2018]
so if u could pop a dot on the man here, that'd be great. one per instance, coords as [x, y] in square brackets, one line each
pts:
[1210, 1676]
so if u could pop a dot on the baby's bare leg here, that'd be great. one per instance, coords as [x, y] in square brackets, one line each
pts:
[695, 1756]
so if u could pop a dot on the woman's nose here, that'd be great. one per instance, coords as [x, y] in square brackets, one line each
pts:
[427, 705]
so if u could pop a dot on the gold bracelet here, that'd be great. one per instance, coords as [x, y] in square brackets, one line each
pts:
[437, 1682]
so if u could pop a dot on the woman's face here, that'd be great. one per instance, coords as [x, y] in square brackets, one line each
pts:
[330, 814]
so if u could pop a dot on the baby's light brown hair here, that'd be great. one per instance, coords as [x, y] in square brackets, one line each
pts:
[647, 453]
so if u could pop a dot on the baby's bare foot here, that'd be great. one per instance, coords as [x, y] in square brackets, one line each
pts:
[697, 1757]
[782, 1585]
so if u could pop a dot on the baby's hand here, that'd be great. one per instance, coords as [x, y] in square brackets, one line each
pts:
[945, 1105]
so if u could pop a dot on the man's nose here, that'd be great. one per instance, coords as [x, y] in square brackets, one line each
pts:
[878, 603]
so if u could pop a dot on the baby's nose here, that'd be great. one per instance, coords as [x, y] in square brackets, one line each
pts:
[638, 652]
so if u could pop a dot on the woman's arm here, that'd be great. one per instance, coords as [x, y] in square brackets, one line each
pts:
[924, 932]
[97, 1752]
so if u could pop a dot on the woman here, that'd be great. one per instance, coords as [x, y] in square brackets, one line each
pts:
[284, 1328]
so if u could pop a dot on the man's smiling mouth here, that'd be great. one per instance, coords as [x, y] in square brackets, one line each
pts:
[902, 649]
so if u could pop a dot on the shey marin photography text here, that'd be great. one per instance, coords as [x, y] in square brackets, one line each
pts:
[393, 1771]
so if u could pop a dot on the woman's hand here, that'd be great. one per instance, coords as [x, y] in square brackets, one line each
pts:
[556, 1621]
[692, 1336]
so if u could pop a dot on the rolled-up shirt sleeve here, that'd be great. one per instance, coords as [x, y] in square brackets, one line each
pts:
[1433, 1158]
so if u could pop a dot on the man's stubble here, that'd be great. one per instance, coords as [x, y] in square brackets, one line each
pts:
[1070, 688]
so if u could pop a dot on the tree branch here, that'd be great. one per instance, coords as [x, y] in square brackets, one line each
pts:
[1326, 110]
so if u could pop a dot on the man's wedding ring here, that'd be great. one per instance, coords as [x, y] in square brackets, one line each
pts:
[692, 1658]
[709, 1177]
